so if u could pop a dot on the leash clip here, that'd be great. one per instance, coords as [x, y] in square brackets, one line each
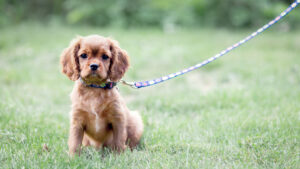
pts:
[131, 84]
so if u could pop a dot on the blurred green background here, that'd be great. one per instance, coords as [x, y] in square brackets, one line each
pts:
[166, 14]
[241, 111]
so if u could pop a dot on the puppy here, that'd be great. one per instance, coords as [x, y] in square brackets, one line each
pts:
[99, 116]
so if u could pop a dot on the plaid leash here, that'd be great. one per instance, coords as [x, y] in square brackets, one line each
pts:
[148, 83]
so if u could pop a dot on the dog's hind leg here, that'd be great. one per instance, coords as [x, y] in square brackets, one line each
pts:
[135, 129]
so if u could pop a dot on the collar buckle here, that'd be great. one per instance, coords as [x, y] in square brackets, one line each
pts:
[131, 84]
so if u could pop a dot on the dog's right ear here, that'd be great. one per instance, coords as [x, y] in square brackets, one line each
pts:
[69, 60]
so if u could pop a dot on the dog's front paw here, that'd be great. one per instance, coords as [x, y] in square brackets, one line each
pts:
[74, 151]
[119, 147]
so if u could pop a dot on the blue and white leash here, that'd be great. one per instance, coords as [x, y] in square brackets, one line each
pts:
[227, 50]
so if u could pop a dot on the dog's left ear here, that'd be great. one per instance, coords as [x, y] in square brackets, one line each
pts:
[119, 62]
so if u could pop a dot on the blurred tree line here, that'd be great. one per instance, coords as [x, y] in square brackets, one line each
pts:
[162, 13]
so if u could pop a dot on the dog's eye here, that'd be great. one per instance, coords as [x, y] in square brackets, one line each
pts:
[83, 55]
[104, 57]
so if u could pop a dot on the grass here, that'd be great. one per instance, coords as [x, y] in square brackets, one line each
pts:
[242, 111]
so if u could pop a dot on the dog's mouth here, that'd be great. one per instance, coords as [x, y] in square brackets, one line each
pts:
[91, 75]
[94, 74]
[94, 77]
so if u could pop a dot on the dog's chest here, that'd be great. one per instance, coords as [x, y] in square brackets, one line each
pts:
[97, 121]
[94, 107]
[96, 126]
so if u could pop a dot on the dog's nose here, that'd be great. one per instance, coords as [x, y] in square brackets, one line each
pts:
[94, 66]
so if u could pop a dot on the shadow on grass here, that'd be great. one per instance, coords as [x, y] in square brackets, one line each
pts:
[90, 152]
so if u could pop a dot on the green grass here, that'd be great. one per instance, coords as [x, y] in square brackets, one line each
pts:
[241, 111]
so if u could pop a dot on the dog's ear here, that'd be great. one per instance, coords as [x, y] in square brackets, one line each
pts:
[119, 62]
[69, 60]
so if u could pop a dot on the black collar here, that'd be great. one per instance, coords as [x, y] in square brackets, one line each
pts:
[108, 85]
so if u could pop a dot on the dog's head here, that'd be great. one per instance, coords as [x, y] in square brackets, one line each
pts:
[95, 59]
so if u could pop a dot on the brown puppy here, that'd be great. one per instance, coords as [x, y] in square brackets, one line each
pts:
[99, 116]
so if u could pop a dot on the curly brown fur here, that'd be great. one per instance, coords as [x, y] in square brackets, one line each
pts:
[99, 117]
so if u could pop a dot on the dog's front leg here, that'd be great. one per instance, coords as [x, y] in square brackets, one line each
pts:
[119, 132]
[75, 138]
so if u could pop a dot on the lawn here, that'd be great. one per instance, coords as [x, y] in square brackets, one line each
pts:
[241, 111]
